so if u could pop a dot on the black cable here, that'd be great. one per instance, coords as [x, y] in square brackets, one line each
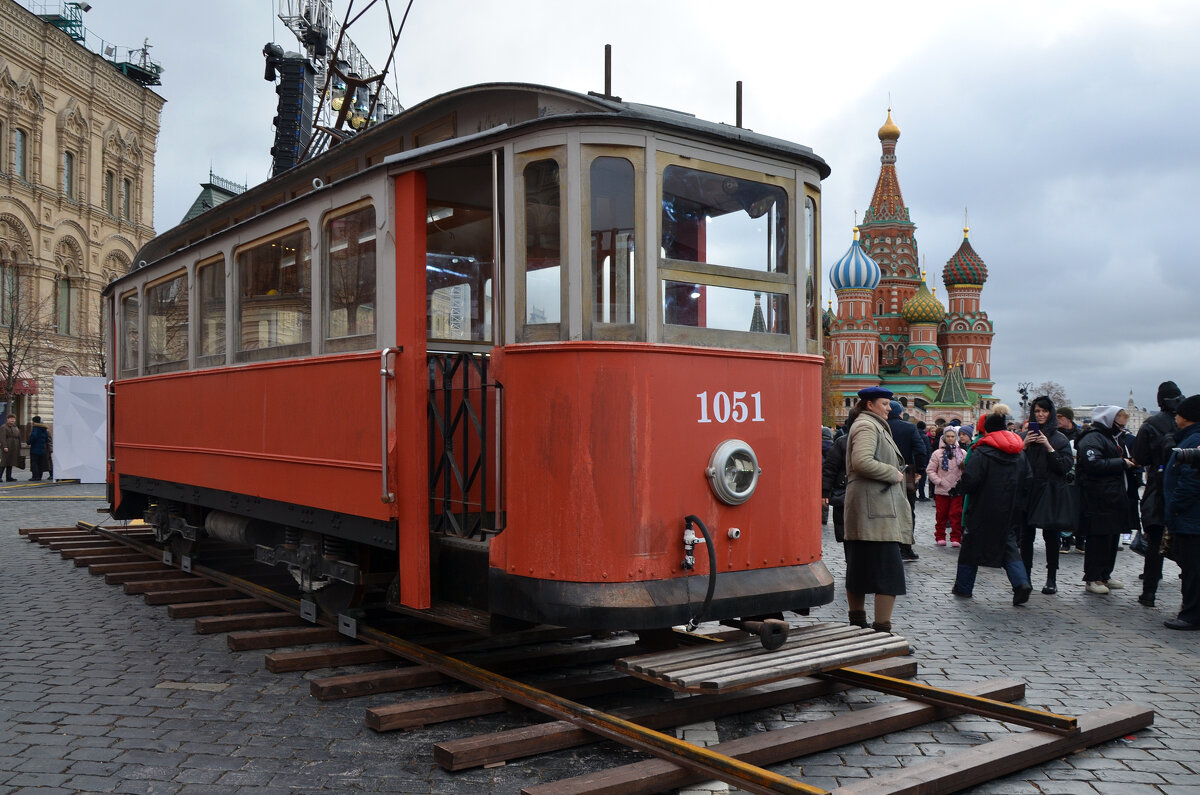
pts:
[712, 569]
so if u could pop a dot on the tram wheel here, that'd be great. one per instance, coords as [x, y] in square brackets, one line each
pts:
[338, 597]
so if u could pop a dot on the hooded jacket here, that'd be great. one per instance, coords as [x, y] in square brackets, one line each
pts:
[995, 479]
[946, 477]
[1048, 467]
[1152, 448]
[1100, 476]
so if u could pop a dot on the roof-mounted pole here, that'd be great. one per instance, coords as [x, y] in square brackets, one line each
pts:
[739, 103]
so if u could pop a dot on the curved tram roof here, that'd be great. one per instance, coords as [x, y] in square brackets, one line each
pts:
[462, 118]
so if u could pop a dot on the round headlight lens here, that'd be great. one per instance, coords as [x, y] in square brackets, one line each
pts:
[733, 471]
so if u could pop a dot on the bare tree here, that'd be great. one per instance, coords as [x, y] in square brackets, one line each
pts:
[1052, 390]
[831, 396]
[24, 328]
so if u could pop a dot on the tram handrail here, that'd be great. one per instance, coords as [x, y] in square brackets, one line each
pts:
[385, 372]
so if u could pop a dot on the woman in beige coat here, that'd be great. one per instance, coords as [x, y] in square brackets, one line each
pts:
[878, 517]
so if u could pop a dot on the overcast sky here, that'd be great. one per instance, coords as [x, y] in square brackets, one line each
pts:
[1066, 129]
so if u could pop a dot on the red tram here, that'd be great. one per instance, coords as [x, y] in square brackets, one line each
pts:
[518, 353]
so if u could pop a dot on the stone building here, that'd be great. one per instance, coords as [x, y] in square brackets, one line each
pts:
[890, 329]
[77, 143]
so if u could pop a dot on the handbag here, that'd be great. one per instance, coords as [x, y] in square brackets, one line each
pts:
[1139, 545]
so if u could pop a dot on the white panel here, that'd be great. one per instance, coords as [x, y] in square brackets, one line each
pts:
[80, 428]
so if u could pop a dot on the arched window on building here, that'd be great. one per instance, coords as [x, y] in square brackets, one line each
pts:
[20, 154]
[8, 287]
[64, 306]
[126, 199]
[68, 174]
[110, 180]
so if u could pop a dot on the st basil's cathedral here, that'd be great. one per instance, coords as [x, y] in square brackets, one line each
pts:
[890, 329]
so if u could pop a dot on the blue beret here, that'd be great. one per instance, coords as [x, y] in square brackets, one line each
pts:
[872, 392]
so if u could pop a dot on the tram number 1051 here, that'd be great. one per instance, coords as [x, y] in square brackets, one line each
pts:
[731, 409]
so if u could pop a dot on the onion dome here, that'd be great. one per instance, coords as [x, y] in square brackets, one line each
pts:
[923, 308]
[965, 267]
[855, 270]
[889, 131]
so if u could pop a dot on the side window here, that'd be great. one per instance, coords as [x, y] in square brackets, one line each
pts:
[613, 247]
[167, 325]
[460, 248]
[812, 282]
[275, 298]
[725, 273]
[20, 146]
[543, 247]
[210, 295]
[350, 281]
[130, 338]
[109, 186]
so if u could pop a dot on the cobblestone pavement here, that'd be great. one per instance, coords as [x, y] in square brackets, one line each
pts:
[101, 693]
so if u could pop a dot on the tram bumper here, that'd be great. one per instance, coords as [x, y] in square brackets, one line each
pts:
[654, 604]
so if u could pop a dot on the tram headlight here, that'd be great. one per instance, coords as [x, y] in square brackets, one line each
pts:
[733, 471]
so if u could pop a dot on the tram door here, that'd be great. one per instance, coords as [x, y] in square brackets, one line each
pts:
[461, 276]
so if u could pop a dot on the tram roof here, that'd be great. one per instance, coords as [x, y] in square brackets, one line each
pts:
[482, 111]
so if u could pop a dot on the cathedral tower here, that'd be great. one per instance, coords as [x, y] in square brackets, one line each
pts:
[967, 333]
[855, 338]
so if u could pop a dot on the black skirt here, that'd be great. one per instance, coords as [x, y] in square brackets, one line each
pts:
[874, 567]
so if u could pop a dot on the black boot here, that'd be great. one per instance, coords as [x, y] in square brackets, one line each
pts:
[882, 626]
[1051, 586]
[907, 553]
[858, 618]
[1149, 589]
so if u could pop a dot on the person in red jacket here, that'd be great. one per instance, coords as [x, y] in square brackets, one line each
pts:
[994, 478]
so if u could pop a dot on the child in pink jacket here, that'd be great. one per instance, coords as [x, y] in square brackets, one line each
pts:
[944, 470]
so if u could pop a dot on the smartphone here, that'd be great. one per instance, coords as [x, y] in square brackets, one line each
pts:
[1034, 427]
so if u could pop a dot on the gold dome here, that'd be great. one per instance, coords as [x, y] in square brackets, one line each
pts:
[889, 131]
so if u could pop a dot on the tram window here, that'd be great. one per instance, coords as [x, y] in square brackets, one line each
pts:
[350, 281]
[724, 308]
[459, 248]
[210, 294]
[130, 338]
[543, 244]
[812, 297]
[275, 306]
[612, 205]
[167, 325]
[724, 220]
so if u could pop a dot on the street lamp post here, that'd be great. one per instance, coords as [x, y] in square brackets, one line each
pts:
[1023, 390]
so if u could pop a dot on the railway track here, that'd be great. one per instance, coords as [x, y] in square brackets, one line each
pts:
[219, 598]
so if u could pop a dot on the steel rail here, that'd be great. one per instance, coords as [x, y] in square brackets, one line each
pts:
[977, 705]
[750, 778]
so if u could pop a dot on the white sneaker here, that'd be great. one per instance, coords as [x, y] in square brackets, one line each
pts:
[1097, 587]
[1114, 585]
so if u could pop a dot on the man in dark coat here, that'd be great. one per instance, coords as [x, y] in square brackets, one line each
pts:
[826, 443]
[1103, 497]
[994, 480]
[1181, 498]
[833, 484]
[1151, 449]
[916, 454]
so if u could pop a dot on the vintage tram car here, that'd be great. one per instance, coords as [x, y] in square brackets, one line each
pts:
[489, 357]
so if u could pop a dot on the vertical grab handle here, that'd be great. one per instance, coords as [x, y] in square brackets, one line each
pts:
[385, 373]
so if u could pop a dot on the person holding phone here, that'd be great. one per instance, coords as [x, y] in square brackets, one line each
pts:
[1050, 460]
[878, 517]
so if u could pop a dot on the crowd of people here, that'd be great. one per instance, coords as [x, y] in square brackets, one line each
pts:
[995, 485]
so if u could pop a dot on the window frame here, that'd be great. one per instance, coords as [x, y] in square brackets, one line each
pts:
[711, 274]
[168, 365]
[357, 342]
[205, 360]
[274, 352]
[593, 329]
[541, 332]
[123, 323]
